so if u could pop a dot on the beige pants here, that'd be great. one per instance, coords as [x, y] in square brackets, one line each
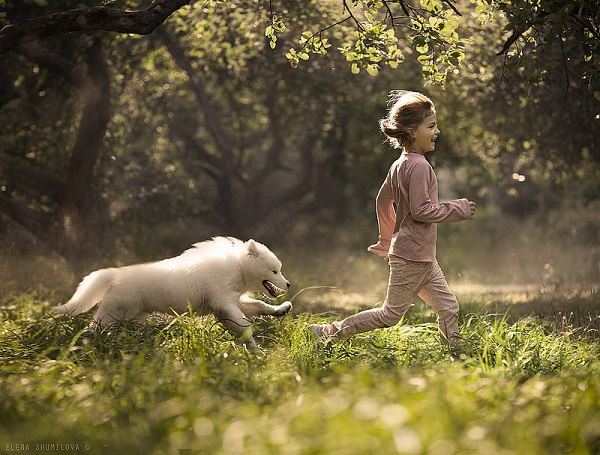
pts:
[407, 280]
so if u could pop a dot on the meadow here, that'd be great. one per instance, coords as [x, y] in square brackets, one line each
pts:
[527, 381]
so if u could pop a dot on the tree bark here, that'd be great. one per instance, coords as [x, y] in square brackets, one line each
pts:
[83, 219]
[7, 87]
[141, 22]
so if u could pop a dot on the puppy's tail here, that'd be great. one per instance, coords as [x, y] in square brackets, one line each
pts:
[90, 292]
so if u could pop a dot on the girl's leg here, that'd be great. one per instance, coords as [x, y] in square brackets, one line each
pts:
[437, 294]
[406, 278]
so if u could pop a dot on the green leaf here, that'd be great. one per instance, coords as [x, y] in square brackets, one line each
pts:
[448, 27]
[481, 9]
[373, 70]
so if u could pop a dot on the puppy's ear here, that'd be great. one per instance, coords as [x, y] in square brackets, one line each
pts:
[252, 248]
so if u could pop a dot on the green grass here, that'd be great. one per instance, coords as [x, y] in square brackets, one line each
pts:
[527, 382]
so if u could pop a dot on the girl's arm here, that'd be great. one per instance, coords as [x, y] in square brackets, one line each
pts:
[386, 218]
[423, 209]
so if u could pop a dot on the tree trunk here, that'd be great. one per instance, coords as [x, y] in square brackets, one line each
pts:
[83, 218]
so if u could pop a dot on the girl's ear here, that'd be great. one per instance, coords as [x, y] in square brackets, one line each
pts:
[411, 135]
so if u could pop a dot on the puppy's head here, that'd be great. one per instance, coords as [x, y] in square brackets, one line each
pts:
[261, 270]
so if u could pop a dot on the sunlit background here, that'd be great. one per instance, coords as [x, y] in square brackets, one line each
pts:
[127, 149]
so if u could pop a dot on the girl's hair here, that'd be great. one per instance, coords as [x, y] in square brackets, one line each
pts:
[408, 110]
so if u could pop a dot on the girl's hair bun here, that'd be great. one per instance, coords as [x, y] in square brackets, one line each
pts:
[389, 128]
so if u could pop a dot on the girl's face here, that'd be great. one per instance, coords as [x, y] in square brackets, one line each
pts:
[425, 135]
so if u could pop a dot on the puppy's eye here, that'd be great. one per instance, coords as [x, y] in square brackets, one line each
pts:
[274, 272]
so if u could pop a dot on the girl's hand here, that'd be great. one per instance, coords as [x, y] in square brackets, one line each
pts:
[473, 207]
[379, 250]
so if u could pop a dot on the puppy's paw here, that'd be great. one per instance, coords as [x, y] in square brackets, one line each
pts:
[284, 308]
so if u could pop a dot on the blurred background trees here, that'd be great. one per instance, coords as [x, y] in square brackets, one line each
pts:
[120, 147]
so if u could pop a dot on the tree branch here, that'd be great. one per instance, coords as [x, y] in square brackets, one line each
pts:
[36, 223]
[140, 22]
[46, 57]
[518, 32]
[30, 180]
[212, 124]
[449, 3]
[304, 183]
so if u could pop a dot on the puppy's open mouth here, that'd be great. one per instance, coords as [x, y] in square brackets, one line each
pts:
[273, 290]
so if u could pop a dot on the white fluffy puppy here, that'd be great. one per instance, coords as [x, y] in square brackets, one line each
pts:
[211, 277]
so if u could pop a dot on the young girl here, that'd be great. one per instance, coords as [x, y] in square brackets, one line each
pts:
[408, 212]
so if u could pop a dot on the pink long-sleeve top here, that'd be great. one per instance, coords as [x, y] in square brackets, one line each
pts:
[409, 230]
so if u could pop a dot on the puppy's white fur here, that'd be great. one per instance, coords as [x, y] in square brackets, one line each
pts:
[211, 277]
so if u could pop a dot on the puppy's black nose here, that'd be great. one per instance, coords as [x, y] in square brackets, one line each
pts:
[288, 284]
